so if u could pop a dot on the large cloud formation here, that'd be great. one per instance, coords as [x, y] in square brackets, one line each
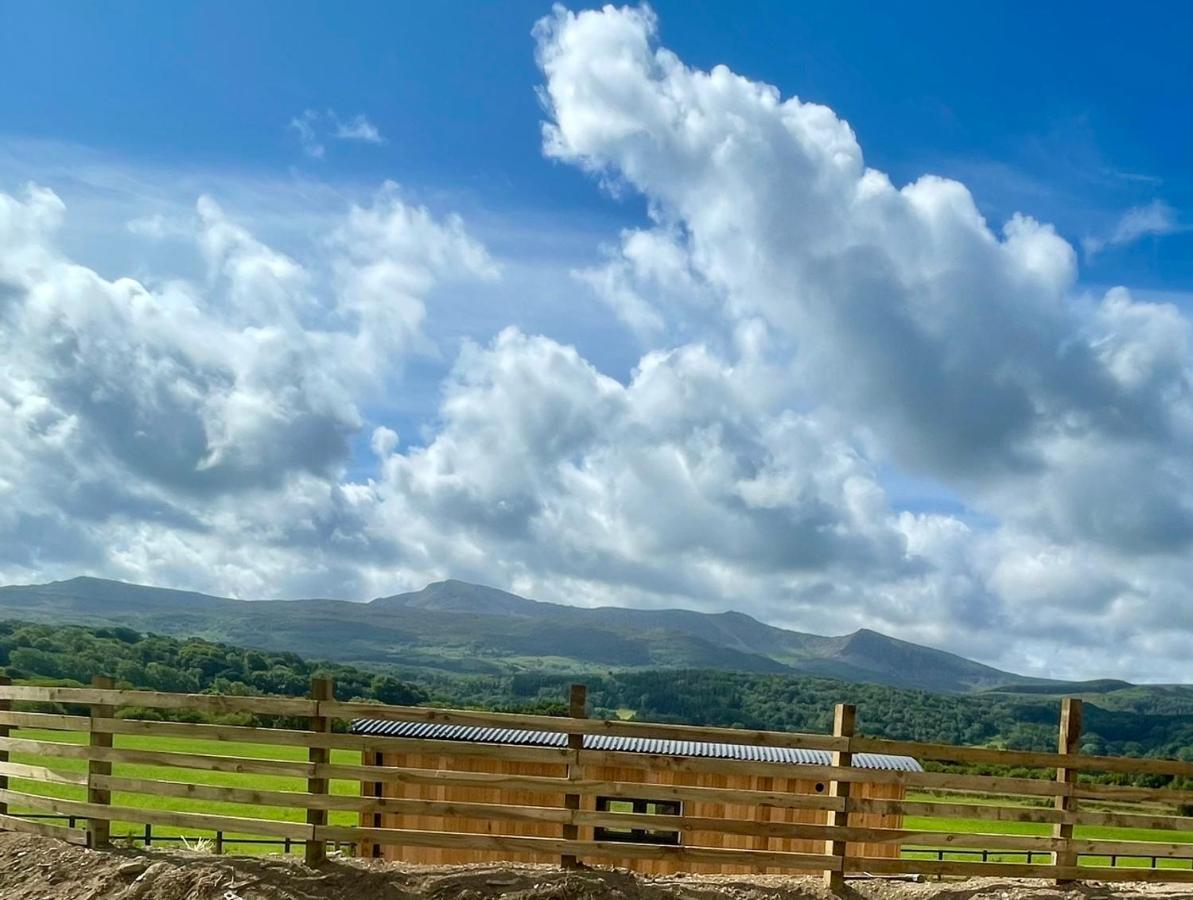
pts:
[814, 337]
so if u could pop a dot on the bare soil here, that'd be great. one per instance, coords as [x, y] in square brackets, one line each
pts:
[36, 868]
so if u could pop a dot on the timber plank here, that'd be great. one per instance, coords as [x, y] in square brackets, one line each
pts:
[201, 732]
[991, 813]
[48, 721]
[551, 785]
[58, 832]
[1124, 793]
[215, 793]
[1158, 849]
[837, 833]
[880, 866]
[1131, 765]
[972, 811]
[212, 703]
[615, 849]
[42, 774]
[271, 827]
[165, 758]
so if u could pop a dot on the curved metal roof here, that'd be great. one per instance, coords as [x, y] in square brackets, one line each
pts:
[474, 734]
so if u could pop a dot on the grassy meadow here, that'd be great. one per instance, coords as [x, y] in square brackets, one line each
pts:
[1085, 832]
[194, 776]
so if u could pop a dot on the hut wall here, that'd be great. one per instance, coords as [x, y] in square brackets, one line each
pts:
[461, 824]
[435, 856]
[748, 812]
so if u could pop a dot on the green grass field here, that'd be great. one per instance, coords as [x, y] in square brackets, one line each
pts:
[298, 754]
[195, 776]
[1087, 832]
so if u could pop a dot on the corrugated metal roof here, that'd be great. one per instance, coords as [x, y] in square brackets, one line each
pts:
[474, 734]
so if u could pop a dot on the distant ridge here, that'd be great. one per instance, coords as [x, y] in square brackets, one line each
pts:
[454, 626]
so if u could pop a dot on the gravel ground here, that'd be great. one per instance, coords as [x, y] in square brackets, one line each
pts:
[36, 868]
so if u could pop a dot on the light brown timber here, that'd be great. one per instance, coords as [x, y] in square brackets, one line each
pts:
[164, 758]
[41, 829]
[577, 709]
[99, 827]
[210, 703]
[43, 774]
[553, 846]
[1068, 742]
[844, 719]
[322, 689]
[141, 815]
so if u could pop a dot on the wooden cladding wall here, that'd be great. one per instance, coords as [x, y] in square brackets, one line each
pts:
[449, 797]
[708, 822]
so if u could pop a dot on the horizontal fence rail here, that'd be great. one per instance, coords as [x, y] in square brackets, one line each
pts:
[317, 787]
[148, 838]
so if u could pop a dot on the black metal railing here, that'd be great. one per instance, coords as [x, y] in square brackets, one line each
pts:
[218, 838]
[1029, 856]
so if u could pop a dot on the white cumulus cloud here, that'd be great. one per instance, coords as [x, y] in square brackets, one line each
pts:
[807, 336]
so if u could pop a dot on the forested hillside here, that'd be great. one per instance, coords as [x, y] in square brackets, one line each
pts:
[1156, 722]
[74, 654]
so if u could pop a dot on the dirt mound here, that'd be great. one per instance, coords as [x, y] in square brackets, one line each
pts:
[35, 868]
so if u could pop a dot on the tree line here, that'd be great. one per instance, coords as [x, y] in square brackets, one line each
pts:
[73, 655]
[1159, 725]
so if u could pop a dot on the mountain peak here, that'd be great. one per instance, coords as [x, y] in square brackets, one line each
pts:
[91, 582]
[456, 626]
[453, 595]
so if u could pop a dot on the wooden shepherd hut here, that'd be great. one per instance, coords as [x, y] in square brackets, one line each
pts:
[794, 784]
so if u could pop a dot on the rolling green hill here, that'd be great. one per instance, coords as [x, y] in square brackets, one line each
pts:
[461, 628]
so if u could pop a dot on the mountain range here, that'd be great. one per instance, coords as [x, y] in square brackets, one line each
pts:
[462, 628]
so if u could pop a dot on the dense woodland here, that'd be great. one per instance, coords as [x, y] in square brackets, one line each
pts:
[70, 654]
[1145, 722]
[1157, 725]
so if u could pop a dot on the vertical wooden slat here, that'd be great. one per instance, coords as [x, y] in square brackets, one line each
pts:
[377, 851]
[5, 705]
[321, 689]
[844, 718]
[1068, 741]
[577, 709]
[99, 831]
[371, 789]
[763, 814]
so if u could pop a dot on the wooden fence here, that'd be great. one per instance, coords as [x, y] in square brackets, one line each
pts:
[91, 768]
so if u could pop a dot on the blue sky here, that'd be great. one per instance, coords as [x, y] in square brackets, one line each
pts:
[307, 301]
[1073, 112]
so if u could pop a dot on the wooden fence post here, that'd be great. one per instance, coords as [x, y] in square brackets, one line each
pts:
[1069, 741]
[99, 831]
[844, 718]
[321, 689]
[5, 706]
[577, 709]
